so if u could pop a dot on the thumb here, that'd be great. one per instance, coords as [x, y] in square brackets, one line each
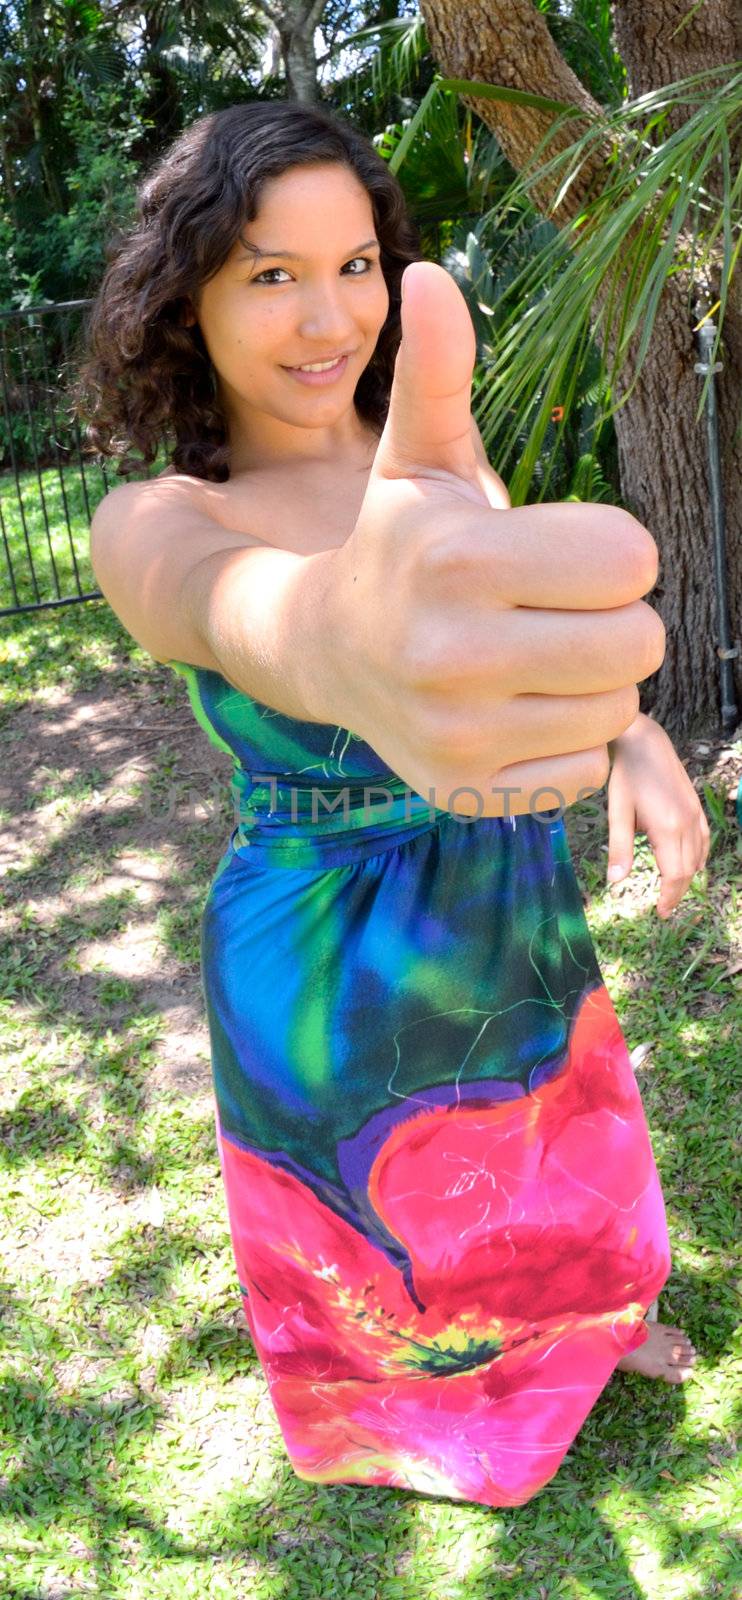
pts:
[428, 424]
[621, 833]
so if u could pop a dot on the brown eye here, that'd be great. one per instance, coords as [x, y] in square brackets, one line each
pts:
[265, 273]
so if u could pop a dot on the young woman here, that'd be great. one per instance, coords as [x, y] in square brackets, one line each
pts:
[447, 1223]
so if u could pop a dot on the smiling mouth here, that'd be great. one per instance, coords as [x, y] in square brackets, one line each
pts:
[325, 365]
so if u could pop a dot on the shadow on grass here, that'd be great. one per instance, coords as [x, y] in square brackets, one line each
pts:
[321, 1540]
[83, 1463]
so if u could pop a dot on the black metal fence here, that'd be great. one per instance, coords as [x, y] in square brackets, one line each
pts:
[48, 490]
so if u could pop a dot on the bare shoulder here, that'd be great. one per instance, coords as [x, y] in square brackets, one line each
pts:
[167, 488]
[146, 539]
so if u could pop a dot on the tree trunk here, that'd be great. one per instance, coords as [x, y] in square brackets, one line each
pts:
[295, 22]
[297, 49]
[163, 102]
[662, 449]
[8, 179]
[52, 185]
[276, 52]
[652, 56]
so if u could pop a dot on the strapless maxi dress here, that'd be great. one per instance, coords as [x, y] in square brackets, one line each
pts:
[445, 1213]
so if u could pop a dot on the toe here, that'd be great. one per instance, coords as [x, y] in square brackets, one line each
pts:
[679, 1341]
[682, 1355]
[681, 1368]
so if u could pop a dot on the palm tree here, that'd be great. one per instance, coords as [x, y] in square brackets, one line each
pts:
[639, 202]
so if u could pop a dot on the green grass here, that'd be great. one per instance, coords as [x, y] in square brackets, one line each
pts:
[44, 520]
[139, 1455]
[46, 563]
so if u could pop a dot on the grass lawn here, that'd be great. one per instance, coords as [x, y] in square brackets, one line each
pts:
[139, 1454]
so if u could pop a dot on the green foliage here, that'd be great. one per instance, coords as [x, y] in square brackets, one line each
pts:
[61, 256]
[452, 170]
[16, 280]
[377, 74]
[88, 96]
[485, 261]
[603, 275]
[583, 32]
[652, 217]
[100, 184]
[109, 104]
[394, 66]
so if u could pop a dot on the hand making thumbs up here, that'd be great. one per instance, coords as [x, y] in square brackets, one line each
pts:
[497, 649]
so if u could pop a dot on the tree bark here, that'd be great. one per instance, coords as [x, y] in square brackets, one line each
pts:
[8, 179]
[295, 22]
[654, 53]
[52, 185]
[662, 449]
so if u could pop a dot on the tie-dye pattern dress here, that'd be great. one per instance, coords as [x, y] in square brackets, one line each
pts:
[445, 1213]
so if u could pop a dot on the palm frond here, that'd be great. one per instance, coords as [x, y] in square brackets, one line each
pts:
[399, 45]
[603, 273]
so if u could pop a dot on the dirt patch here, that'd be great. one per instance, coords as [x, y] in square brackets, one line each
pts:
[99, 804]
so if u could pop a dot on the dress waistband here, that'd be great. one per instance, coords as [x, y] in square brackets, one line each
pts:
[324, 822]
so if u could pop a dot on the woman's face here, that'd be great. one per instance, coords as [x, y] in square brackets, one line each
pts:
[316, 292]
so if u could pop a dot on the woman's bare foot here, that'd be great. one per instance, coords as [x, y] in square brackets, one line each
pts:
[667, 1353]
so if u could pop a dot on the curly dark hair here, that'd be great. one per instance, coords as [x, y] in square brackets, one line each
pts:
[145, 378]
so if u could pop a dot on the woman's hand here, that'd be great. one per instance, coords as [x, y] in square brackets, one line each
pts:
[649, 791]
[487, 653]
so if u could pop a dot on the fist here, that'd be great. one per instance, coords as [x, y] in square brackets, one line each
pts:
[481, 646]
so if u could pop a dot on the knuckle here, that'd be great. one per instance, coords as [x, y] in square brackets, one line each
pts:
[597, 767]
[456, 745]
[446, 560]
[447, 734]
[643, 548]
[418, 661]
[629, 701]
[650, 561]
[443, 553]
[655, 640]
[433, 658]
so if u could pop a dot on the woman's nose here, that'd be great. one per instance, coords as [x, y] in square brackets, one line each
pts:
[325, 315]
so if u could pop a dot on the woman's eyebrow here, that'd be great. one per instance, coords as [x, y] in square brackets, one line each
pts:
[290, 255]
